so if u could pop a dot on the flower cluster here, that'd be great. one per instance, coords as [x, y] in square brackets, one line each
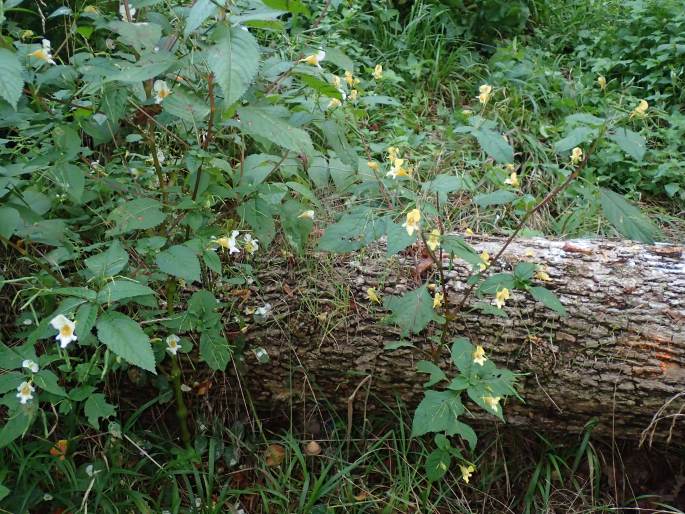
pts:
[230, 243]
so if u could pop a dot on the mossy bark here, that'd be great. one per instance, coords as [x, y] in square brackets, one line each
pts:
[618, 356]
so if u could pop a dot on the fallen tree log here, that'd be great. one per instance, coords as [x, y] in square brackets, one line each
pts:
[618, 356]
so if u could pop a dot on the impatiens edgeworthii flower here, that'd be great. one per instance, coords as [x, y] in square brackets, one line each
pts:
[484, 260]
[251, 245]
[373, 165]
[263, 311]
[501, 296]
[541, 274]
[641, 110]
[438, 300]
[25, 392]
[334, 103]
[172, 344]
[30, 365]
[44, 53]
[466, 472]
[378, 72]
[393, 154]
[315, 59]
[350, 79]
[161, 90]
[65, 328]
[412, 223]
[479, 355]
[229, 243]
[354, 94]
[576, 155]
[484, 93]
[434, 240]
[307, 214]
[492, 402]
[398, 169]
[602, 81]
[468, 231]
[513, 180]
[336, 81]
[372, 295]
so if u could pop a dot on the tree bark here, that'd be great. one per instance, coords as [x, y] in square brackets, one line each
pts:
[618, 356]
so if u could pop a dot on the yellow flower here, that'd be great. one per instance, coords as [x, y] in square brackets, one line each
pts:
[466, 472]
[398, 169]
[485, 90]
[530, 253]
[307, 214]
[501, 297]
[353, 95]
[172, 344]
[315, 59]
[336, 81]
[479, 355]
[378, 72]
[576, 155]
[412, 223]
[541, 274]
[373, 165]
[640, 110]
[334, 103]
[434, 240]
[513, 180]
[90, 9]
[438, 300]
[484, 260]
[251, 245]
[602, 81]
[467, 112]
[44, 53]
[492, 402]
[26, 34]
[510, 168]
[393, 154]
[468, 231]
[349, 78]
[372, 295]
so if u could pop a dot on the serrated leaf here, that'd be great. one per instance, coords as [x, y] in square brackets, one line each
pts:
[215, 350]
[71, 179]
[109, 262]
[85, 319]
[180, 261]
[411, 311]
[234, 60]
[320, 86]
[139, 36]
[437, 412]
[199, 12]
[260, 122]
[125, 338]
[186, 106]
[455, 245]
[11, 80]
[48, 381]
[627, 218]
[436, 374]
[630, 142]
[501, 197]
[96, 408]
[122, 289]
[548, 299]
[397, 236]
[138, 214]
[576, 137]
[494, 144]
[149, 66]
[462, 355]
[495, 282]
[10, 380]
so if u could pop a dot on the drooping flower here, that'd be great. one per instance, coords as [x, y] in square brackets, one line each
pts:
[90, 9]
[468, 231]
[315, 59]
[349, 78]
[44, 53]
[161, 90]
[466, 472]
[398, 169]
[492, 402]
[484, 260]
[172, 344]
[372, 295]
[373, 165]
[576, 155]
[251, 245]
[434, 239]
[60, 449]
[25, 392]
[336, 81]
[30, 365]
[334, 103]
[378, 72]
[229, 243]
[412, 223]
[307, 214]
[513, 180]
[438, 300]
[641, 110]
[541, 274]
[602, 81]
[354, 94]
[393, 154]
[479, 355]
[66, 329]
[484, 93]
[501, 296]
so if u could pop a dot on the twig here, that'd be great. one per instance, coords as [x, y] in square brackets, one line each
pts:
[33, 259]
[350, 409]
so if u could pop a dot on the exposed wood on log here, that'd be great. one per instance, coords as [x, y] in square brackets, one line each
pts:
[619, 355]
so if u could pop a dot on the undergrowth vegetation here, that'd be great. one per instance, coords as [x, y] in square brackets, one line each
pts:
[155, 153]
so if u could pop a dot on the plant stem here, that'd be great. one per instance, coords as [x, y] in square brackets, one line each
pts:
[35, 260]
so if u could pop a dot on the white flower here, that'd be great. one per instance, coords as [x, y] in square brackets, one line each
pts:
[47, 497]
[25, 392]
[66, 329]
[160, 156]
[315, 59]
[229, 243]
[251, 245]
[161, 90]
[307, 214]
[172, 344]
[29, 364]
[44, 53]
[185, 388]
[122, 11]
[263, 311]
[89, 470]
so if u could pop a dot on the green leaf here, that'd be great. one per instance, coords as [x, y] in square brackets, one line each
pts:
[501, 197]
[17, 423]
[9, 220]
[437, 464]
[524, 271]
[318, 171]
[343, 174]
[4, 492]
[180, 261]
[444, 184]
[494, 144]
[109, 262]
[465, 432]
[11, 80]
[257, 213]
[215, 350]
[456, 246]
[351, 232]
[576, 137]
[85, 319]
[411, 311]
[125, 338]
[234, 59]
[10, 380]
[548, 298]
[630, 142]
[295, 228]
[627, 219]
[148, 67]
[320, 86]
[138, 35]
[48, 381]
[96, 407]
[339, 58]
[121, 289]
[498, 281]
[199, 12]
[462, 355]
[293, 6]
[437, 412]
[398, 238]
[138, 214]
[212, 261]
[261, 122]
[436, 374]
[186, 106]
[78, 292]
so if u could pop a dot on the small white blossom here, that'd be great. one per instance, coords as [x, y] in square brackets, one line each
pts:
[172, 344]
[44, 53]
[25, 392]
[66, 329]
[30, 365]
[161, 90]
[89, 470]
[307, 214]
[263, 311]
[251, 245]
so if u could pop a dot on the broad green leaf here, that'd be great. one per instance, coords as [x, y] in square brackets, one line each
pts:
[494, 144]
[261, 122]
[320, 86]
[199, 12]
[257, 213]
[443, 185]
[351, 232]
[256, 168]
[85, 318]
[180, 261]
[11, 80]
[465, 432]
[628, 219]
[78, 292]
[524, 271]
[437, 464]
[10, 381]
[186, 106]
[48, 381]
[343, 174]
[630, 142]
[138, 214]
[16, 424]
[125, 338]
[339, 58]
[138, 35]
[397, 236]
[295, 228]
[412, 311]
[437, 412]
[109, 262]
[462, 355]
[318, 171]
[371, 100]
[576, 137]
[9, 221]
[436, 374]
[548, 298]
[498, 281]
[479, 393]
[212, 261]
[293, 6]
[122, 289]
[215, 350]
[4, 492]
[96, 408]
[455, 245]
[501, 197]
[234, 59]
[148, 67]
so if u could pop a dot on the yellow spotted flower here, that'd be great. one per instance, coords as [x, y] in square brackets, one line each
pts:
[334, 103]
[492, 402]
[336, 81]
[307, 214]
[576, 155]
[315, 59]
[438, 300]
[485, 90]
[641, 110]
[393, 154]
[513, 180]
[398, 169]
[44, 53]
[350, 79]
[372, 295]
[434, 240]
[466, 472]
[251, 245]
[501, 297]
[479, 355]
[484, 260]
[412, 223]
[373, 165]
[468, 231]
[354, 94]
[378, 72]
[25, 392]
[602, 81]
[541, 274]
[172, 344]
